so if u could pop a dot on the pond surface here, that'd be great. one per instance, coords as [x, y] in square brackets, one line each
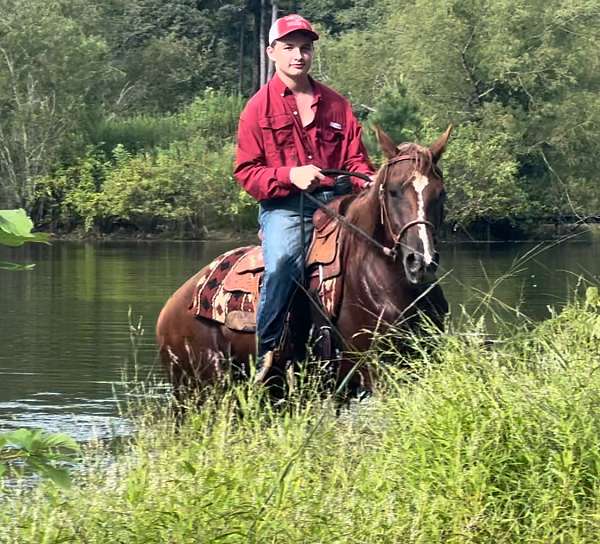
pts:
[66, 354]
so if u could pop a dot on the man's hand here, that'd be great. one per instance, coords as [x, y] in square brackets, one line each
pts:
[307, 177]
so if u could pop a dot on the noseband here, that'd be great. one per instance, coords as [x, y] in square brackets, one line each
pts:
[392, 252]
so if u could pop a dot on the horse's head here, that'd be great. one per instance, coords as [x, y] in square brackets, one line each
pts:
[411, 197]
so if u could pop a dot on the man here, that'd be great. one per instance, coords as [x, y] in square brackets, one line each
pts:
[289, 131]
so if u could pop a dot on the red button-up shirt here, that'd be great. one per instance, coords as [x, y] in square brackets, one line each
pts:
[271, 140]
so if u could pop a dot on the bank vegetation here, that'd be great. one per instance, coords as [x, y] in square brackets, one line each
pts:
[121, 116]
[466, 441]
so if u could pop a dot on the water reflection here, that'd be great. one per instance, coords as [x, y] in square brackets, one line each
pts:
[64, 331]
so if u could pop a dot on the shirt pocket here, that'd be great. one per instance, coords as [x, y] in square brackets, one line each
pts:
[331, 142]
[278, 132]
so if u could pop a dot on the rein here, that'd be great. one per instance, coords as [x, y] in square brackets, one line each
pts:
[391, 252]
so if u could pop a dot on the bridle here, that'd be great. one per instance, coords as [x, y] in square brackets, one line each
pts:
[384, 214]
[391, 252]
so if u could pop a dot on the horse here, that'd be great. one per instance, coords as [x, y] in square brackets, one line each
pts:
[390, 259]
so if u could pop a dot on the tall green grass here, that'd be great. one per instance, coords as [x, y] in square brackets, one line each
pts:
[470, 442]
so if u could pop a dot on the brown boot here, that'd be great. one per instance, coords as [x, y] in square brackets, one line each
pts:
[264, 364]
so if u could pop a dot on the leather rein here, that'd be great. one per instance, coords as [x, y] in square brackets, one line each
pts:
[391, 252]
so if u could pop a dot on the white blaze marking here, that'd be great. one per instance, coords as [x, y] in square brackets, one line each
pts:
[419, 183]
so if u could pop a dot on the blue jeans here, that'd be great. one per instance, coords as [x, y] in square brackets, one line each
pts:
[280, 221]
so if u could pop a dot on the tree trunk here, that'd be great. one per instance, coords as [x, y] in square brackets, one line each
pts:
[241, 57]
[274, 13]
[261, 43]
[255, 51]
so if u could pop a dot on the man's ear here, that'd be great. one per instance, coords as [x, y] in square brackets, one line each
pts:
[270, 52]
[385, 142]
[439, 146]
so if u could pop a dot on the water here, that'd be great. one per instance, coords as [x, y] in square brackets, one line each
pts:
[64, 328]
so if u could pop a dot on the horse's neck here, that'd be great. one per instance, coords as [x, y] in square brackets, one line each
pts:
[363, 212]
[373, 280]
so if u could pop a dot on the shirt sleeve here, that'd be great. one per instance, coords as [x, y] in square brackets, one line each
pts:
[357, 157]
[251, 171]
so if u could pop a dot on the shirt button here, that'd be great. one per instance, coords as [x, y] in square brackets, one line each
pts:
[310, 156]
[282, 94]
[295, 113]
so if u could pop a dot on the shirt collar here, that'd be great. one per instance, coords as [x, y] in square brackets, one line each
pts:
[280, 88]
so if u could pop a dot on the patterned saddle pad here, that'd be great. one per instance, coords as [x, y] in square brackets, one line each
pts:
[212, 301]
[227, 290]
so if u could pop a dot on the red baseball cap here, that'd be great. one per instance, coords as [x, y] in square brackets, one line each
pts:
[288, 24]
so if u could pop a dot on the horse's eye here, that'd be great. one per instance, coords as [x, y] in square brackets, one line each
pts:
[394, 193]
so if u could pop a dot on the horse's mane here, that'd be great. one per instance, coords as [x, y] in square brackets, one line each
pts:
[421, 156]
[364, 210]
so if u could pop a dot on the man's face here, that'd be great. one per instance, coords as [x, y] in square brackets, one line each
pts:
[292, 54]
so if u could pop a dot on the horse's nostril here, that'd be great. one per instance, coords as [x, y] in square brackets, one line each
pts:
[413, 262]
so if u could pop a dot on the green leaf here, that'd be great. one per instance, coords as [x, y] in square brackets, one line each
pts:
[4, 265]
[189, 468]
[58, 476]
[21, 438]
[61, 441]
[15, 229]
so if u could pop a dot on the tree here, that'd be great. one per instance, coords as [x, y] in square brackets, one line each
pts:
[49, 70]
[529, 68]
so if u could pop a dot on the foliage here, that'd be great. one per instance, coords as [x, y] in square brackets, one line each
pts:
[482, 173]
[185, 189]
[71, 195]
[172, 50]
[397, 114]
[37, 451]
[15, 230]
[137, 133]
[170, 173]
[341, 16]
[165, 189]
[356, 65]
[469, 442]
[481, 64]
[50, 69]
[213, 117]
[519, 81]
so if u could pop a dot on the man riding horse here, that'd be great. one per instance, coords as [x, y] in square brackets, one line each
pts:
[377, 275]
[291, 129]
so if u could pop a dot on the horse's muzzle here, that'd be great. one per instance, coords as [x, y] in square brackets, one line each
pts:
[417, 270]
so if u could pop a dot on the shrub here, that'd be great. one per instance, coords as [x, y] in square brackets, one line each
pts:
[138, 133]
[187, 187]
[213, 117]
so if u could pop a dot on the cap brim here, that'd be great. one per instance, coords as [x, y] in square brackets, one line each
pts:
[311, 33]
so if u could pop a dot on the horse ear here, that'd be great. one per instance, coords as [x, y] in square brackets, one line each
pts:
[439, 146]
[385, 142]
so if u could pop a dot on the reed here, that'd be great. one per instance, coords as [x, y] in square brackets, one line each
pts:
[473, 441]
